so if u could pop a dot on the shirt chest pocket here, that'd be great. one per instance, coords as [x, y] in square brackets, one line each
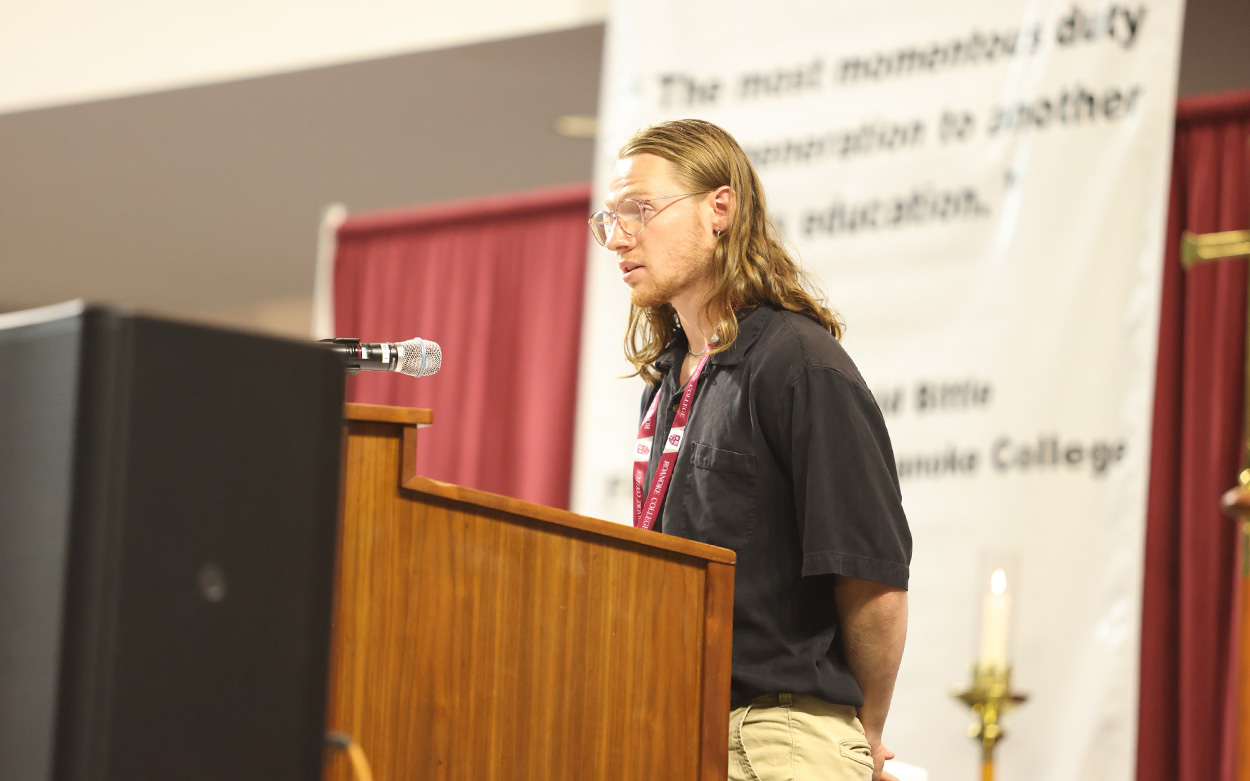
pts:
[719, 500]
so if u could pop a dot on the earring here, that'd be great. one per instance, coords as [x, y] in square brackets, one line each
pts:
[717, 232]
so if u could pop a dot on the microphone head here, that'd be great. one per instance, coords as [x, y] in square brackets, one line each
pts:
[419, 358]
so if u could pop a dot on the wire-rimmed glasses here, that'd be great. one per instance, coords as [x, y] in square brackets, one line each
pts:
[629, 214]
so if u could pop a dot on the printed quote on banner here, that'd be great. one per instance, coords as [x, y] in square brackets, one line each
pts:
[1080, 103]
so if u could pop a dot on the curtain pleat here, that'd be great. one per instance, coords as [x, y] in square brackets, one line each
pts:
[498, 284]
[1188, 617]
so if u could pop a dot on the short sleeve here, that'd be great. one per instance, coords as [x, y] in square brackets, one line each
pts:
[847, 499]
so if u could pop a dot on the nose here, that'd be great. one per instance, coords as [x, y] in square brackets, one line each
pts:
[618, 239]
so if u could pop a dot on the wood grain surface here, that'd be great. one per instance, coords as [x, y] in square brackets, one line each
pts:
[479, 637]
[381, 413]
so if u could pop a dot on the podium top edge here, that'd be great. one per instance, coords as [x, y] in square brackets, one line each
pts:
[381, 413]
[557, 517]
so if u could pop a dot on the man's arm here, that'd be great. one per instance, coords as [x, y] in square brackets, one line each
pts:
[874, 626]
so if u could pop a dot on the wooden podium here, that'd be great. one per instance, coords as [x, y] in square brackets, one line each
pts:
[481, 637]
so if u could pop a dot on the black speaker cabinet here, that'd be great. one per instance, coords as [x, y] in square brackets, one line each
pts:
[168, 496]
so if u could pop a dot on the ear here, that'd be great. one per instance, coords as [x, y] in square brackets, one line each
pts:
[724, 206]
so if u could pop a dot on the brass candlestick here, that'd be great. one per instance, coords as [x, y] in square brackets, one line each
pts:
[989, 697]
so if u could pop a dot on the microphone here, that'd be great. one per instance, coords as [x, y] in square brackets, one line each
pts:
[415, 357]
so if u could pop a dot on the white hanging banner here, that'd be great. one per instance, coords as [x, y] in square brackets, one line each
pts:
[980, 186]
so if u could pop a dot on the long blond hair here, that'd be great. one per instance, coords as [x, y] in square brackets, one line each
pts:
[750, 264]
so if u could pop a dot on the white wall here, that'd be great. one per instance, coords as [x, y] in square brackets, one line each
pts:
[69, 51]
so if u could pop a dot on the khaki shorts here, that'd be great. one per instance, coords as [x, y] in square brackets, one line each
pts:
[792, 737]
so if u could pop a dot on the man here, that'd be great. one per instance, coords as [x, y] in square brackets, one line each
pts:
[759, 435]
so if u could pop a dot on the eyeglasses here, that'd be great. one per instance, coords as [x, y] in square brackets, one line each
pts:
[629, 215]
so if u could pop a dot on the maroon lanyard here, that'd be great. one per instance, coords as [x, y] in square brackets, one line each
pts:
[642, 452]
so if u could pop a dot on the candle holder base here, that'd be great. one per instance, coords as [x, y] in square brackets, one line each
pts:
[989, 697]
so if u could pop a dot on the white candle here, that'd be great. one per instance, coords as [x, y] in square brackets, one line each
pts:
[995, 617]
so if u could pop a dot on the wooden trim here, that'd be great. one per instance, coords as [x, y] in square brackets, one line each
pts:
[569, 520]
[717, 635]
[382, 413]
[409, 417]
[408, 455]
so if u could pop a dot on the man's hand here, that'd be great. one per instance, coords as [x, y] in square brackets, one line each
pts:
[879, 755]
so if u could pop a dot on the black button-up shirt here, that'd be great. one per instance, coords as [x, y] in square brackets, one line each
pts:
[786, 460]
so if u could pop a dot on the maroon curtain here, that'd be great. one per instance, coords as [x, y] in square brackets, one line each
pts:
[1187, 610]
[497, 283]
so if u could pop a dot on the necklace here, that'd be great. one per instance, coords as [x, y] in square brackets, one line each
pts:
[715, 340]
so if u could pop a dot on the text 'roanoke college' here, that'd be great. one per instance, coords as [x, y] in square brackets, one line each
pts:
[1045, 454]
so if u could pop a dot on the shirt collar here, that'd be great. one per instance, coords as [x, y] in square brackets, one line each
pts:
[750, 325]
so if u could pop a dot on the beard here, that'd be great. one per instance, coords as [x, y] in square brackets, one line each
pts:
[689, 266]
[651, 296]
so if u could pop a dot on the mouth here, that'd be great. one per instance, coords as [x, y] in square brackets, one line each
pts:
[630, 271]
